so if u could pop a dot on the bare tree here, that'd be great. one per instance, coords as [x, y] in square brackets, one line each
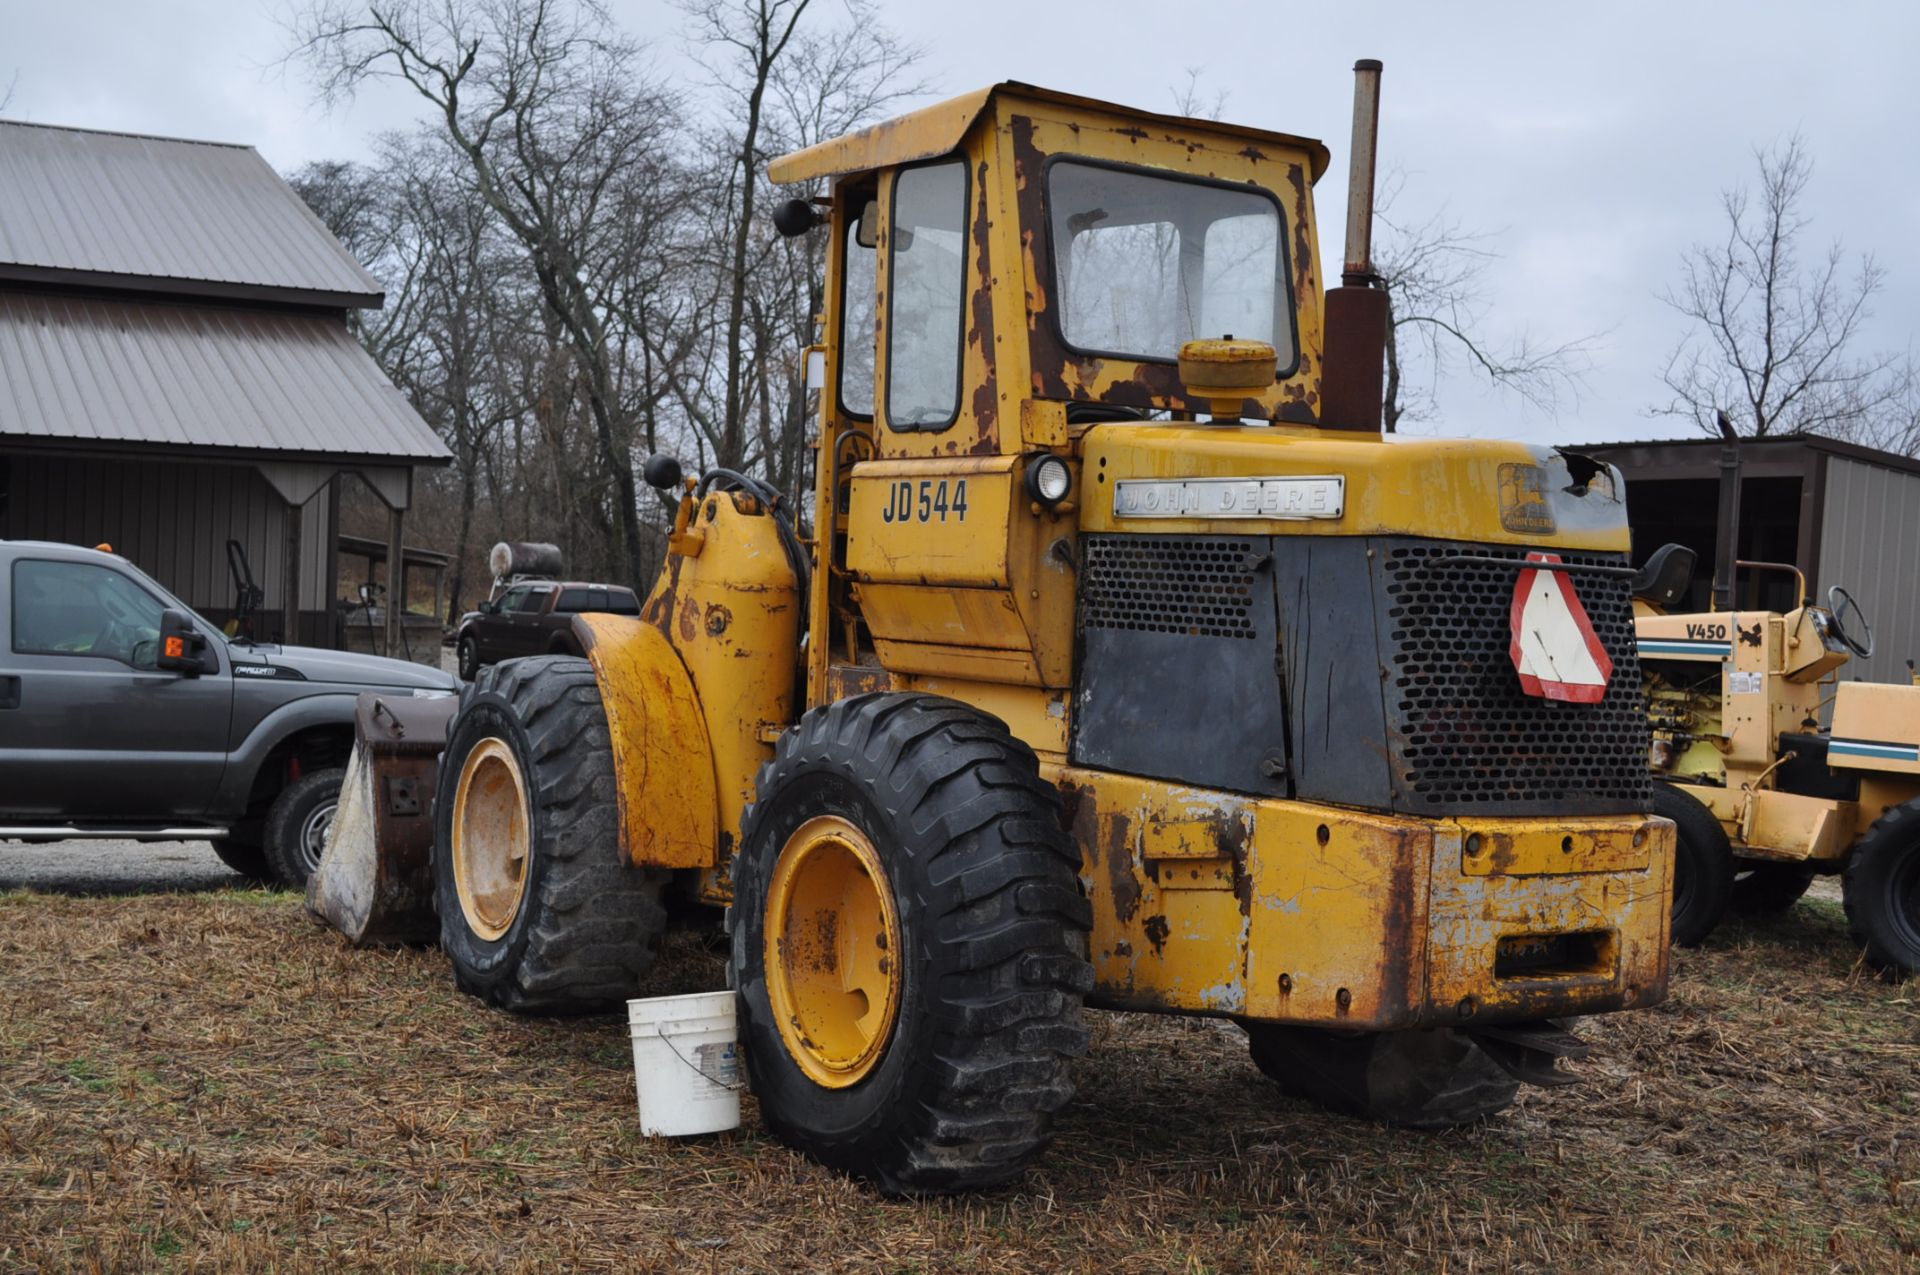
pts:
[754, 34]
[1772, 334]
[548, 108]
[1433, 271]
[780, 85]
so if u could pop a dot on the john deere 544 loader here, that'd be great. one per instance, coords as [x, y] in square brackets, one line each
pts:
[1121, 662]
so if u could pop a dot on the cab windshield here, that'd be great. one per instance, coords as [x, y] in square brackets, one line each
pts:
[1146, 263]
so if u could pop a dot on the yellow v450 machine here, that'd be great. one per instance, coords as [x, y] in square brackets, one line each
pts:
[1764, 794]
[1119, 660]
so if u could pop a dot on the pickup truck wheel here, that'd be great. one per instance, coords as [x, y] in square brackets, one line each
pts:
[247, 859]
[1881, 891]
[1702, 864]
[469, 658]
[297, 824]
[539, 911]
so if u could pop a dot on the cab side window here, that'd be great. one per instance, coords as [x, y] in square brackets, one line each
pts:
[78, 608]
[572, 600]
[530, 602]
[857, 333]
[926, 285]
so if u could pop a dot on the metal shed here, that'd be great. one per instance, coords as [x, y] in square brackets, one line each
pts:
[176, 369]
[1843, 514]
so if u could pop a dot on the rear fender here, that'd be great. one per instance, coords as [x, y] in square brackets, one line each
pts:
[662, 755]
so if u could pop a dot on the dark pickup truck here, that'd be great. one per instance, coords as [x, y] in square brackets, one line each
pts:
[534, 617]
[124, 714]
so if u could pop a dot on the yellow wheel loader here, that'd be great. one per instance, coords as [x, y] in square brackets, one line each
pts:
[1764, 795]
[1125, 664]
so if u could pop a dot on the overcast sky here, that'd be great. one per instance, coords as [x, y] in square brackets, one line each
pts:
[1594, 140]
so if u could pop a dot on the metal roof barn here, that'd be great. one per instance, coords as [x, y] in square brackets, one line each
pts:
[158, 214]
[1842, 513]
[176, 367]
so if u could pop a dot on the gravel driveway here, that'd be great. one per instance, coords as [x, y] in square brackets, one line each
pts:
[113, 867]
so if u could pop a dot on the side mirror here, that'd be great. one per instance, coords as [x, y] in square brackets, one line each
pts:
[661, 471]
[794, 218]
[182, 647]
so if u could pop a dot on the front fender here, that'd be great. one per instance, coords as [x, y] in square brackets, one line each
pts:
[662, 755]
[326, 708]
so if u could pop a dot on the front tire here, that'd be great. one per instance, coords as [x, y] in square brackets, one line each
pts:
[1702, 864]
[297, 824]
[1881, 890]
[909, 945]
[468, 653]
[539, 913]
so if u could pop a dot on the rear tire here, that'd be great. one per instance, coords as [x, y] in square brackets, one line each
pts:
[1760, 887]
[582, 925]
[1702, 864]
[297, 824]
[1881, 890]
[1429, 1079]
[956, 1085]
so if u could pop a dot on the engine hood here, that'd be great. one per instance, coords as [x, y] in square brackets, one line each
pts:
[316, 664]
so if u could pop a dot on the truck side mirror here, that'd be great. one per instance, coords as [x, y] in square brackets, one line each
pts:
[182, 647]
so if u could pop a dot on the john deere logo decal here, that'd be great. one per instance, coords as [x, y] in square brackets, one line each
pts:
[1523, 500]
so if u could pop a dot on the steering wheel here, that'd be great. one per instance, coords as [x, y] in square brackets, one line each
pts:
[1841, 604]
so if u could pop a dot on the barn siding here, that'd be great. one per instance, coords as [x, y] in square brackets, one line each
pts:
[173, 520]
[1870, 543]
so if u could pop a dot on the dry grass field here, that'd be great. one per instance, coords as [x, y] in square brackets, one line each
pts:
[211, 1082]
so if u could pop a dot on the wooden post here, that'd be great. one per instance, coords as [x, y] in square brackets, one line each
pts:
[396, 582]
[290, 606]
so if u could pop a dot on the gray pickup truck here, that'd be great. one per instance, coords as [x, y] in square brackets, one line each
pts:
[124, 714]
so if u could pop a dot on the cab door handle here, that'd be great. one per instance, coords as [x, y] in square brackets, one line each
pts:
[9, 691]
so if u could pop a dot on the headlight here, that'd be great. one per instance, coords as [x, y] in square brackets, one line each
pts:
[1049, 480]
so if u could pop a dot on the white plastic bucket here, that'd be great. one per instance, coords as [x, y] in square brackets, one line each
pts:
[686, 1063]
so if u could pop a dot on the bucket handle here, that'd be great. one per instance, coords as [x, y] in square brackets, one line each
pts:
[666, 1038]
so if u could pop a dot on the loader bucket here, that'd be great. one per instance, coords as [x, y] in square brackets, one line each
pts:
[375, 882]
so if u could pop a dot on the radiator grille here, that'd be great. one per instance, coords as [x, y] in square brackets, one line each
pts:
[1469, 740]
[1157, 584]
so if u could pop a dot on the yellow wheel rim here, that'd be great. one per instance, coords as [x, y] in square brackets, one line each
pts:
[833, 951]
[491, 838]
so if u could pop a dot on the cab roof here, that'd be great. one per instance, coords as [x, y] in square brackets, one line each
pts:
[938, 129]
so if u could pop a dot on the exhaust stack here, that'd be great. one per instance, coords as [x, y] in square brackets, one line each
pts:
[1353, 374]
[1360, 171]
[1727, 529]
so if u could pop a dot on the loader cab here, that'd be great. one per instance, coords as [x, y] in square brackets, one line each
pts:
[1006, 272]
[1052, 253]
